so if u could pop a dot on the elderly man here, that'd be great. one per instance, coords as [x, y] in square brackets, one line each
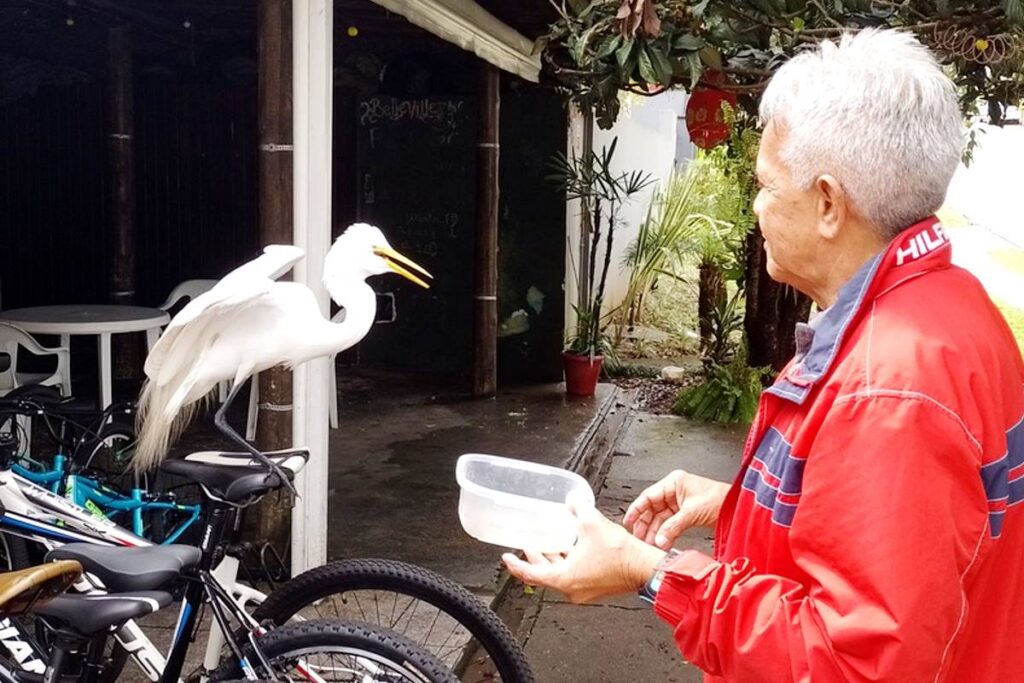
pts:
[873, 533]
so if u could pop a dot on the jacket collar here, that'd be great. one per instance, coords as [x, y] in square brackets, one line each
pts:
[919, 249]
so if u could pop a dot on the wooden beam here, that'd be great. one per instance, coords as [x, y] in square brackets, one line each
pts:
[120, 146]
[121, 200]
[274, 96]
[485, 323]
[313, 90]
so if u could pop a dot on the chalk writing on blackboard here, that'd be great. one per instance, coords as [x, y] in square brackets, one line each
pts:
[376, 109]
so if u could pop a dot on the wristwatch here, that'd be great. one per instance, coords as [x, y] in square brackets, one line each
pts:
[649, 593]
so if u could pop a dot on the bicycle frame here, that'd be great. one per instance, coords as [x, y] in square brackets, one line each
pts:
[27, 510]
[102, 501]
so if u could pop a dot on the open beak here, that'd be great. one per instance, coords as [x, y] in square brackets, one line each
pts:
[396, 262]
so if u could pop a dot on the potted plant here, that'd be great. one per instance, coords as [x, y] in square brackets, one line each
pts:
[589, 178]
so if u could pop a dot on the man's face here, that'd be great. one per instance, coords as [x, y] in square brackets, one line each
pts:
[788, 217]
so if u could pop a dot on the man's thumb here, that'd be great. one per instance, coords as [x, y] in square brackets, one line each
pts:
[671, 529]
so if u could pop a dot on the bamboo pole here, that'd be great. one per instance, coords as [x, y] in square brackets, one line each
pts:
[121, 164]
[485, 324]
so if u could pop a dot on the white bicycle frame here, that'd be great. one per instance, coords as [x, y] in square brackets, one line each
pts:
[36, 513]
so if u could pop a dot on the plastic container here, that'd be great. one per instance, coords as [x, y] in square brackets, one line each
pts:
[518, 504]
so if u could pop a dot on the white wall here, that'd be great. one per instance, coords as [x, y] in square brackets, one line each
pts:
[647, 140]
[989, 192]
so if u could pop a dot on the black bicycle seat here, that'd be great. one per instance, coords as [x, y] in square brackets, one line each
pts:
[125, 570]
[51, 399]
[89, 614]
[235, 477]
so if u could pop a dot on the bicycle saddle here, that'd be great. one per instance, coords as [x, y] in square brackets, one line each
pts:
[51, 399]
[22, 590]
[89, 614]
[236, 477]
[125, 570]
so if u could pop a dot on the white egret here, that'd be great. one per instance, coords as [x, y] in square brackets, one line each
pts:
[248, 322]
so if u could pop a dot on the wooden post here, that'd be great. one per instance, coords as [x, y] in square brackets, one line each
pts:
[272, 520]
[485, 319]
[121, 164]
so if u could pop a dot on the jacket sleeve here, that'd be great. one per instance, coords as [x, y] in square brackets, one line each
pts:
[891, 518]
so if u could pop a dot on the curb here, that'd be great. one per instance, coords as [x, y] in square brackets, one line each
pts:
[591, 457]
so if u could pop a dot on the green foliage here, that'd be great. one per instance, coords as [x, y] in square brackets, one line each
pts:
[726, 322]
[590, 178]
[701, 216]
[599, 47]
[729, 393]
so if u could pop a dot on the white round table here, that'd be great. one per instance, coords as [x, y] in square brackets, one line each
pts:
[102, 320]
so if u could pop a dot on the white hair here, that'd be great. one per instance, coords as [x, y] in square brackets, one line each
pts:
[878, 113]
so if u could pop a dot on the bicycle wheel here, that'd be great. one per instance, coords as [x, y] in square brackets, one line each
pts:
[436, 614]
[110, 452]
[340, 651]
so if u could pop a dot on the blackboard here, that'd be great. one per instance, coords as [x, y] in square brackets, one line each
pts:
[416, 173]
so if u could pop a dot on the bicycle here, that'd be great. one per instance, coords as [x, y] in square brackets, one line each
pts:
[469, 631]
[124, 583]
[83, 436]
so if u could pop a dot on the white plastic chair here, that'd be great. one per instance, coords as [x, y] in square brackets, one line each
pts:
[254, 393]
[11, 339]
[188, 289]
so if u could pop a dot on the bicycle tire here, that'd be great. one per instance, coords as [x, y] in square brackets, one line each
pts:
[302, 639]
[390, 576]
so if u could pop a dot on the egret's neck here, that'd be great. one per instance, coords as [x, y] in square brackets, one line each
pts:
[360, 304]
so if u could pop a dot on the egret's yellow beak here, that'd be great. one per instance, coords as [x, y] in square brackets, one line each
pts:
[393, 259]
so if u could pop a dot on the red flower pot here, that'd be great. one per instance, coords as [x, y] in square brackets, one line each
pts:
[581, 373]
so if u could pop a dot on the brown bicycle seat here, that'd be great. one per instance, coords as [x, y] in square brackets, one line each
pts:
[21, 590]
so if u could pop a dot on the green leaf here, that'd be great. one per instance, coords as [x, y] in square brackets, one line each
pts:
[646, 64]
[798, 23]
[609, 46]
[1014, 11]
[696, 68]
[698, 9]
[662, 66]
[624, 51]
[688, 41]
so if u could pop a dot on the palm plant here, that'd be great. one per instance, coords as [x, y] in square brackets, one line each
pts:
[601, 191]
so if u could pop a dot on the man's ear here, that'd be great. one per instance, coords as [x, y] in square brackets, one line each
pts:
[832, 206]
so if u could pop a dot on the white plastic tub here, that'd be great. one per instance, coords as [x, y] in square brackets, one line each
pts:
[518, 504]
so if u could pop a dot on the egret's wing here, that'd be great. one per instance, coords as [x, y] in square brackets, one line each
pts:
[254, 276]
[275, 261]
[236, 289]
[179, 346]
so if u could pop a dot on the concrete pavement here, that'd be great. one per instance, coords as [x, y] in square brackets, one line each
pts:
[621, 640]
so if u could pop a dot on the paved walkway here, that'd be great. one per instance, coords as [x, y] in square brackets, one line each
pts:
[621, 640]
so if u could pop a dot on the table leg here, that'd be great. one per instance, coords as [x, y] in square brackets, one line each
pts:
[65, 342]
[106, 390]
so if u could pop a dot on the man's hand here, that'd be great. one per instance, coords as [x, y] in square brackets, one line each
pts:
[605, 561]
[668, 508]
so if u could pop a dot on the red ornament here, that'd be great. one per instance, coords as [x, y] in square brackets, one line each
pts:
[704, 119]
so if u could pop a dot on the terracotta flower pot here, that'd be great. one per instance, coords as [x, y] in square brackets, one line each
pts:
[581, 373]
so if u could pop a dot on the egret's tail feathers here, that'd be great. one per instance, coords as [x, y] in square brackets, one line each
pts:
[159, 422]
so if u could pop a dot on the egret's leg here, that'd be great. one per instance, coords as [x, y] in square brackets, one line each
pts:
[220, 419]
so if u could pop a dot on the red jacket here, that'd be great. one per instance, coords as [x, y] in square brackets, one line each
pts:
[874, 531]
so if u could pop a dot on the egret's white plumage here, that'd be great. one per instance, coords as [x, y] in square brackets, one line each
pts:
[248, 322]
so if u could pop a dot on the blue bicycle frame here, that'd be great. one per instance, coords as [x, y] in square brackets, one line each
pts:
[103, 501]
